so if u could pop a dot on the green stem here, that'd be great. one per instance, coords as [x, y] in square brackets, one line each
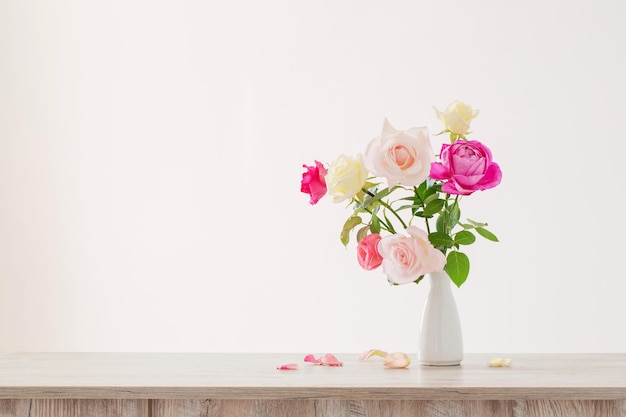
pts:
[384, 224]
[387, 206]
[423, 207]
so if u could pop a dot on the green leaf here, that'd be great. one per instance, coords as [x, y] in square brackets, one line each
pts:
[427, 188]
[464, 238]
[420, 190]
[431, 197]
[439, 225]
[389, 224]
[360, 235]
[434, 207]
[350, 224]
[486, 234]
[375, 224]
[382, 194]
[457, 267]
[440, 239]
[477, 224]
[454, 215]
[417, 202]
[409, 206]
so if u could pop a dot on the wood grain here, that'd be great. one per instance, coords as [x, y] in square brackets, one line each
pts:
[15, 408]
[310, 408]
[73, 408]
[176, 408]
[545, 408]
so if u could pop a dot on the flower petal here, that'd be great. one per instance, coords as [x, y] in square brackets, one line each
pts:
[397, 360]
[311, 359]
[500, 362]
[287, 366]
[439, 172]
[330, 360]
[372, 352]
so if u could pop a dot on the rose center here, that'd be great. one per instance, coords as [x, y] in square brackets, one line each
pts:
[466, 152]
[468, 161]
[402, 157]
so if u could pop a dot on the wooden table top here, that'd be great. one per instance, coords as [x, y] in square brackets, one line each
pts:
[254, 376]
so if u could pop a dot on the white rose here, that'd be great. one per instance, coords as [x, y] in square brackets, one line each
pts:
[457, 117]
[403, 157]
[345, 178]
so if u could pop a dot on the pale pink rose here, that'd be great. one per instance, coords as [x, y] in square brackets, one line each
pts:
[367, 252]
[406, 258]
[467, 166]
[402, 157]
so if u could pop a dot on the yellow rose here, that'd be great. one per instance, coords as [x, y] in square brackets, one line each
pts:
[345, 178]
[457, 117]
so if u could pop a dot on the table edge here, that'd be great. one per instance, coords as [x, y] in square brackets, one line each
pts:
[313, 393]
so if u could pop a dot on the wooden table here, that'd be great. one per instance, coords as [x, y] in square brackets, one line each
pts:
[233, 385]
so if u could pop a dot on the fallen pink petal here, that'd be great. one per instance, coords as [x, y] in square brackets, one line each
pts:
[372, 352]
[397, 360]
[327, 360]
[311, 359]
[287, 366]
[330, 360]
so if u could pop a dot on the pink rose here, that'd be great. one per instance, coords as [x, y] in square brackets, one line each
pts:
[313, 182]
[406, 258]
[467, 167]
[367, 252]
[403, 157]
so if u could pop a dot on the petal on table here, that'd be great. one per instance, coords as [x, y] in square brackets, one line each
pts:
[397, 360]
[500, 362]
[330, 360]
[312, 359]
[372, 352]
[287, 366]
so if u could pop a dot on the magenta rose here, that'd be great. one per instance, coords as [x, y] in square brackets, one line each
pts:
[466, 166]
[313, 182]
[367, 252]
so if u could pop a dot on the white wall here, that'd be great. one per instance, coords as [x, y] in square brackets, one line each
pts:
[151, 153]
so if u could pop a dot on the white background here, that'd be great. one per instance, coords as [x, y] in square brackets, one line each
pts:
[151, 154]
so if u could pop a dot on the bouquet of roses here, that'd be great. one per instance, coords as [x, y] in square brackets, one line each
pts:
[399, 180]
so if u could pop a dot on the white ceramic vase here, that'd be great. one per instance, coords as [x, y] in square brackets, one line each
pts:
[441, 339]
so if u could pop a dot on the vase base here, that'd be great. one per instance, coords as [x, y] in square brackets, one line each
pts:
[441, 363]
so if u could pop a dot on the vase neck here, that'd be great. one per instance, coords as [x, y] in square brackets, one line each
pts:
[439, 281]
[439, 276]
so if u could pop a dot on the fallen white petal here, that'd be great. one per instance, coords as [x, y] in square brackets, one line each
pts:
[500, 362]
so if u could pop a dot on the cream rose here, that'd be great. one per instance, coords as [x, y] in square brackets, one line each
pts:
[403, 157]
[406, 258]
[457, 117]
[345, 177]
